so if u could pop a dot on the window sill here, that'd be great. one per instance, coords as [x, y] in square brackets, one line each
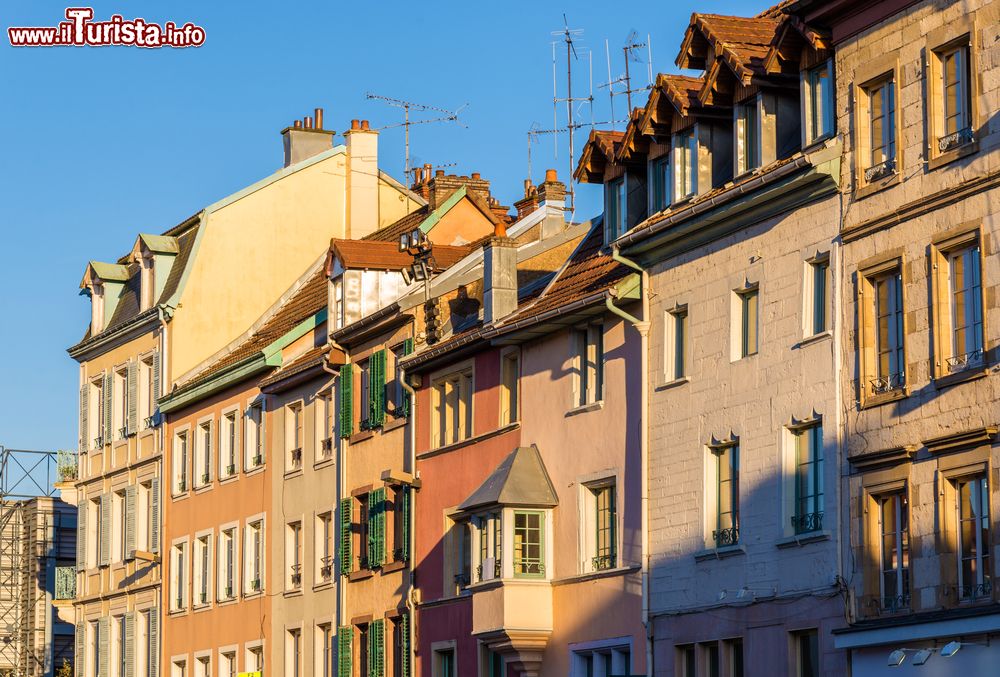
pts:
[296, 592]
[323, 585]
[816, 144]
[177, 612]
[877, 186]
[295, 472]
[180, 496]
[362, 575]
[798, 540]
[226, 602]
[228, 479]
[954, 154]
[469, 441]
[323, 463]
[667, 385]
[393, 566]
[201, 607]
[361, 436]
[395, 423]
[720, 553]
[255, 470]
[253, 595]
[815, 338]
[583, 409]
[594, 575]
[885, 398]
[203, 488]
[960, 377]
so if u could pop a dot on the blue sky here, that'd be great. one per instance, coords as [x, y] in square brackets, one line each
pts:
[103, 143]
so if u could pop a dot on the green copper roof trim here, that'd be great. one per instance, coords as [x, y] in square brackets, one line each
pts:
[110, 272]
[445, 207]
[272, 353]
[160, 244]
[197, 392]
[629, 287]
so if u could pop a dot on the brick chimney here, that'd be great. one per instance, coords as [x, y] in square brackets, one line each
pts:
[529, 202]
[552, 198]
[362, 179]
[440, 186]
[306, 138]
[499, 276]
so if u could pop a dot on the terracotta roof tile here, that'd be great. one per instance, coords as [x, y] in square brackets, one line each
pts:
[379, 255]
[742, 42]
[404, 225]
[303, 362]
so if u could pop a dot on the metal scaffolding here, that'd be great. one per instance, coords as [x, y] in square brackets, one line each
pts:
[30, 529]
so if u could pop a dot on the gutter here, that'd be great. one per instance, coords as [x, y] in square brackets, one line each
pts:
[642, 326]
[110, 335]
[389, 311]
[411, 593]
[341, 485]
[235, 373]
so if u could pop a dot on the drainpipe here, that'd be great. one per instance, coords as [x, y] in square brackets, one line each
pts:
[341, 484]
[411, 536]
[642, 326]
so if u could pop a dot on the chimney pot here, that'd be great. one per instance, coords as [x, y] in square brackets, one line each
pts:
[297, 124]
[355, 124]
[439, 172]
[319, 118]
[364, 125]
[309, 122]
[550, 175]
[475, 176]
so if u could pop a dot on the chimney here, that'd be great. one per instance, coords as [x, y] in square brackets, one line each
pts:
[301, 140]
[552, 198]
[362, 179]
[440, 186]
[499, 276]
[529, 202]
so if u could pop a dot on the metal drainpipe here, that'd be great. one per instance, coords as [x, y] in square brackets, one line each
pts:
[341, 483]
[642, 326]
[411, 537]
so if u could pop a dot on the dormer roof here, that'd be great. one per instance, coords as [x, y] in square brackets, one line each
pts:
[634, 141]
[792, 37]
[105, 272]
[601, 146]
[520, 480]
[157, 244]
[740, 42]
[376, 255]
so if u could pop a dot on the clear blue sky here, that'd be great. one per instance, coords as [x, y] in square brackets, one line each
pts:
[102, 143]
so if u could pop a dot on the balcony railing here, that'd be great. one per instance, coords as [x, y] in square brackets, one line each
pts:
[603, 562]
[955, 139]
[970, 360]
[296, 458]
[327, 447]
[888, 383]
[296, 575]
[123, 433]
[496, 571]
[972, 593]
[880, 171]
[326, 570]
[812, 521]
[65, 587]
[462, 581]
[878, 605]
[726, 537]
[98, 442]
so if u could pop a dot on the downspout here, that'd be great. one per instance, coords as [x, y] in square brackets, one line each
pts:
[341, 483]
[642, 326]
[411, 536]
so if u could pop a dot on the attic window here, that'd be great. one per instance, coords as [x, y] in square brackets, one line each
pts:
[818, 93]
[748, 135]
[685, 164]
[96, 307]
[147, 282]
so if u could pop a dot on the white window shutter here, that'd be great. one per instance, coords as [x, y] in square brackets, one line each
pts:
[130, 531]
[81, 536]
[154, 518]
[105, 555]
[154, 642]
[102, 649]
[156, 382]
[129, 647]
[79, 657]
[84, 410]
[109, 384]
[133, 397]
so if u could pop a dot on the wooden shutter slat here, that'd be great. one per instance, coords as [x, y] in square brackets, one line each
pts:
[133, 397]
[84, 411]
[404, 632]
[102, 651]
[105, 529]
[376, 390]
[346, 383]
[108, 402]
[130, 530]
[405, 489]
[376, 527]
[154, 518]
[130, 644]
[345, 536]
[154, 642]
[156, 382]
[79, 657]
[81, 536]
[344, 634]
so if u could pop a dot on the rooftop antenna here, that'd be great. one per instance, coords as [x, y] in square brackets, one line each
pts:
[569, 35]
[632, 52]
[407, 106]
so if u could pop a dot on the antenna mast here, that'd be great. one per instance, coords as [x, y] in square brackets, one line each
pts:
[568, 36]
[407, 106]
[631, 52]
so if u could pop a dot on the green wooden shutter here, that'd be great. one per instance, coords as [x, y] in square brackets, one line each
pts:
[105, 527]
[103, 657]
[154, 642]
[154, 518]
[344, 650]
[129, 644]
[376, 527]
[81, 535]
[376, 653]
[405, 498]
[346, 400]
[130, 539]
[404, 636]
[345, 536]
[108, 386]
[84, 410]
[404, 406]
[79, 657]
[376, 390]
[133, 398]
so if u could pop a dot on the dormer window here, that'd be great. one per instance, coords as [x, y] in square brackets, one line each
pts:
[818, 92]
[614, 195]
[147, 282]
[96, 308]
[748, 135]
[685, 164]
[659, 184]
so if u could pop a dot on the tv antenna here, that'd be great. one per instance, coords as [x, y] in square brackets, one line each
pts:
[534, 132]
[632, 52]
[569, 36]
[407, 106]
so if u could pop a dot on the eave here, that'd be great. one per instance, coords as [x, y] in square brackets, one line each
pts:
[116, 336]
[232, 375]
[384, 319]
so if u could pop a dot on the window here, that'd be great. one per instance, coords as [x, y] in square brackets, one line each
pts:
[324, 547]
[495, 666]
[675, 343]
[953, 93]
[147, 396]
[96, 533]
[452, 395]
[685, 164]
[95, 416]
[401, 524]
[203, 666]
[881, 131]
[96, 308]
[120, 532]
[203, 454]
[179, 668]
[615, 205]
[966, 306]
[365, 383]
[489, 564]
[324, 426]
[180, 462]
[890, 365]
[93, 648]
[725, 458]
[510, 386]
[364, 650]
[293, 652]
[325, 650]
[227, 563]
[254, 558]
[749, 303]
[659, 184]
[817, 293]
[293, 436]
[254, 658]
[712, 659]
[178, 579]
[809, 505]
[361, 537]
[228, 444]
[458, 548]
[807, 653]
[293, 555]
[818, 92]
[894, 551]
[400, 646]
[529, 543]
[338, 303]
[149, 643]
[119, 652]
[400, 397]
[973, 514]
[588, 350]
[735, 647]
[227, 664]
[120, 406]
[202, 568]
[602, 659]
[254, 439]
[444, 663]
[605, 519]
[747, 121]
[687, 661]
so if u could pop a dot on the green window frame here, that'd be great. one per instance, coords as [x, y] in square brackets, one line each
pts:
[529, 543]
[750, 322]
[376, 528]
[345, 536]
[809, 507]
[346, 382]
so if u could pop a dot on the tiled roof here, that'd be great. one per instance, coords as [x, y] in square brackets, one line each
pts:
[741, 41]
[404, 225]
[305, 302]
[386, 255]
[682, 90]
[303, 362]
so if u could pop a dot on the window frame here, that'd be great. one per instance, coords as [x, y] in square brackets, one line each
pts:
[983, 587]
[684, 147]
[539, 563]
[461, 379]
[869, 176]
[748, 118]
[808, 522]
[810, 133]
[872, 390]
[817, 267]
[660, 178]
[745, 299]
[201, 459]
[510, 390]
[255, 436]
[616, 208]
[294, 415]
[229, 443]
[676, 344]
[587, 364]
[202, 563]
[960, 34]
[718, 536]
[946, 365]
[180, 455]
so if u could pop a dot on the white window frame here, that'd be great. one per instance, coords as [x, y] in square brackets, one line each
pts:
[676, 344]
[294, 550]
[684, 145]
[120, 403]
[229, 443]
[827, 124]
[453, 415]
[255, 437]
[180, 461]
[204, 441]
[179, 575]
[254, 551]
[748, 118]
[587, 365]
[324, 546]
[202, 566]
[294, 413]
[324, 423]
[230, 531]
[510, 390]
[810, 322]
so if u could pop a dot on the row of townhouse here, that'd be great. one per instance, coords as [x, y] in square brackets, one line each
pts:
[743, 422]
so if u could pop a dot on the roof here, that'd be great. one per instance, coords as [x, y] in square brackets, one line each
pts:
[379, 255]
[160, 244]
[519, 480]
[601, 145]
[304, 362]
[403, 226]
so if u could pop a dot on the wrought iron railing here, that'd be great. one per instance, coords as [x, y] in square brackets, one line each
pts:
[955, 139]
[297, 458]
[496, 571]
[462, 581]
[726, 537]
[975, 592]
[969, 360]
[810, 521]
[296, 575]
[880, 171]
[603, 562]
[327, 447]
[398, 555]
[878, 605]
[888, 383]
